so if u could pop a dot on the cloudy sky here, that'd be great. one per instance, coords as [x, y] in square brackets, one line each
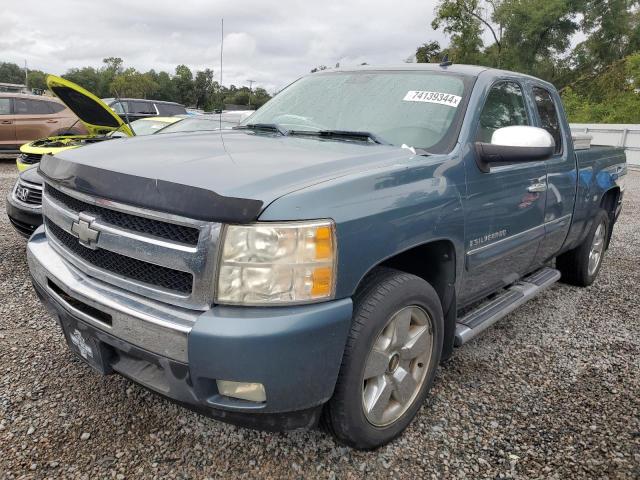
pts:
[271, 42]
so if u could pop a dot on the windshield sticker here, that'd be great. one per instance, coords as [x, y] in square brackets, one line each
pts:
[432, 97]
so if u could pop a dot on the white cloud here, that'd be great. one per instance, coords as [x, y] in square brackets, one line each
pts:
[272, 42]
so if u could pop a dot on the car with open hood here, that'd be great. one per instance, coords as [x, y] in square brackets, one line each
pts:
[25, 117]
[99, 121]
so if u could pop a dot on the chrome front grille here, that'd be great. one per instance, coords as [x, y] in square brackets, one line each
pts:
[170, 231]
[30, 194]
[158, 255]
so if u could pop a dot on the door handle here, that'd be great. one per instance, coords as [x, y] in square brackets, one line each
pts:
[537, 188]
[52, 121]
[6, 122]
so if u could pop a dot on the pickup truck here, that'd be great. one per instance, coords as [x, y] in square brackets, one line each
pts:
[316, 264]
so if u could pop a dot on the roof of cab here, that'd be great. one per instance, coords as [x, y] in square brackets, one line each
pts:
[461, 69]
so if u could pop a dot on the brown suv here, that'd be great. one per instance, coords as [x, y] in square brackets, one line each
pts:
[28, 117]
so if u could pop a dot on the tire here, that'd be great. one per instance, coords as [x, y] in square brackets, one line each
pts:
[386, 299]
[574, 265]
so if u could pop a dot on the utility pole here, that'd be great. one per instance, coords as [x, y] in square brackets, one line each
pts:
[26, 74]
[251, 82]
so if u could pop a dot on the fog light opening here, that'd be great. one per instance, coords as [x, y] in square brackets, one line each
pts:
[253, 392]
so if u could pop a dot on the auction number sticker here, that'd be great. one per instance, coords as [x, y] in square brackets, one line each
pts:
[432, 97]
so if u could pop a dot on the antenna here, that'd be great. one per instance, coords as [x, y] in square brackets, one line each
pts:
[221, 52]
[124, 109]
[251, 82]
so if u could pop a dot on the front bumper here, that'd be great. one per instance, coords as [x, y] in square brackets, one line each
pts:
[24, 219]
[295, 352]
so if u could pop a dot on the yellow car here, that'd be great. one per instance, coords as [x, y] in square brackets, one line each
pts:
[101, 123]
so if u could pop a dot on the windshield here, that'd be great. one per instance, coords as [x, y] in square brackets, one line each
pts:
[148, 126]
[421, 109]
[198, 124]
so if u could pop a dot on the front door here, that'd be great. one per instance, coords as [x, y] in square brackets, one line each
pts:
[504, 208]
[7, 127]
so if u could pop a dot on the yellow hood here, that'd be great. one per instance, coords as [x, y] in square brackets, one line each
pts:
[94, 114]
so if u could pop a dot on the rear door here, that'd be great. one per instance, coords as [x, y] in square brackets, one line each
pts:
[504, 208]
[33, 119]
[561, 172]
[7, 127]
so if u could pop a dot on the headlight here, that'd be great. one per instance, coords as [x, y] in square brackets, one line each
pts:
[277, 263]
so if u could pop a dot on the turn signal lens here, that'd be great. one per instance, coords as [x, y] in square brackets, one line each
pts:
[277, 263]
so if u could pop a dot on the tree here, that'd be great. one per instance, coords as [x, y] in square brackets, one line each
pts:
[203, 87]
[183, 83]
[87, 77]
[112, 67]
[132, 83]
[459, 18]
[428, 52]
[613, 32]
[11, 73]
[37, 80]
[535, 33]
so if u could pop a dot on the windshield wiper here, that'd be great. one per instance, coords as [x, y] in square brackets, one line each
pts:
[341, 133]
[274, 127]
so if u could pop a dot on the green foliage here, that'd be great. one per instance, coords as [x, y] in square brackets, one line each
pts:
[458, 18]
[599, 78]
[610, 96]
[112, 79]
[183, 82]
[37, 80]
[429, 53]
[203, 87]
[131, 83]
[11, 73]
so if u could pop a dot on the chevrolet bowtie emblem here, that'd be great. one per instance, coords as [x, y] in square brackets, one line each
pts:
[87, 236]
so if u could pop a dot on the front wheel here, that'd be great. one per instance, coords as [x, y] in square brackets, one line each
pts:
[390, 360]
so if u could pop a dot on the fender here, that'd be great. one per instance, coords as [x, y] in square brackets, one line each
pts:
[383, 212]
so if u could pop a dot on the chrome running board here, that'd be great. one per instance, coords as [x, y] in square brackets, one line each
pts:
[488, 313]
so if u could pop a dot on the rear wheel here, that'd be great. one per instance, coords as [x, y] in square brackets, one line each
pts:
[581, 265]
[390, 360]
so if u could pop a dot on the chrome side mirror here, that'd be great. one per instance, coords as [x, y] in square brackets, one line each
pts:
[515, 144]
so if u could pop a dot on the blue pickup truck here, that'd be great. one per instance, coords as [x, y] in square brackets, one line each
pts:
[315, 265]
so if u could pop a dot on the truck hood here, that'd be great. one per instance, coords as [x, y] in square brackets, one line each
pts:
[93, 113]
[213, 176]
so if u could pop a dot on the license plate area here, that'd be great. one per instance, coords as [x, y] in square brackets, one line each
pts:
[86, 345]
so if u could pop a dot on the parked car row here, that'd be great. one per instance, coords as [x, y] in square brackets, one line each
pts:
[319, 261]
[100, 122]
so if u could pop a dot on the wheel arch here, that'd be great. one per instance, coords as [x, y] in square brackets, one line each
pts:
[609, 202]
[435, 262]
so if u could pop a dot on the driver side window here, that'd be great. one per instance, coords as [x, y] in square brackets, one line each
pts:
[504, 107]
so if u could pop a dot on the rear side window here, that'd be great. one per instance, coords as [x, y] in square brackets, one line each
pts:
[504, 107]
[141, 108]
[169, 109]
[548, 115]
[56, 107]
[31, 107]
[5, 106]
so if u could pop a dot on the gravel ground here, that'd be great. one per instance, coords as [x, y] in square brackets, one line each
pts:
[552, 391]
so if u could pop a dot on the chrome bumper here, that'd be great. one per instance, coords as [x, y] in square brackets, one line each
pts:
[154, 326]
